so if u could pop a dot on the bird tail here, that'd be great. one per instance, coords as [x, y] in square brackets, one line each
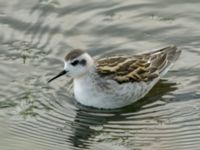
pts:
[164, 58]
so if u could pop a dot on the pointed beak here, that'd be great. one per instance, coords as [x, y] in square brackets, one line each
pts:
[59, 75]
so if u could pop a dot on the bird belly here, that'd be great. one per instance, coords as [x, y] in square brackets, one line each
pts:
[116, 96]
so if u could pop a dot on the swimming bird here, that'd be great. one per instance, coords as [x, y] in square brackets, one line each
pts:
[116, 81]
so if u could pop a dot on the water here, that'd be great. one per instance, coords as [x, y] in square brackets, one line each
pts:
[34, 37]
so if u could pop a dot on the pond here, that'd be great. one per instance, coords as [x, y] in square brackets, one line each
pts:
[36, 34]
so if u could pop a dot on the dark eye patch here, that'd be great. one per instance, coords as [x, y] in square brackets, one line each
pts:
[83, 62]
[74, 63]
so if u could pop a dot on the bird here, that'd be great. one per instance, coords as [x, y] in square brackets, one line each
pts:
[116, 81]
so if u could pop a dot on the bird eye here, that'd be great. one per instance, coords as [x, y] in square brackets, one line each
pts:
[74, 63]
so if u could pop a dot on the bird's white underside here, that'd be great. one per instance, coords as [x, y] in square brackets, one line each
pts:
[109, 94]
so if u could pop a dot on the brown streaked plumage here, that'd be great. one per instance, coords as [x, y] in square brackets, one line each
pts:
[144, 67]
[73, 54]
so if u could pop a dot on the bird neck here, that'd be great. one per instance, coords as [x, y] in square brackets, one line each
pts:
[91, 71]
[84, 82]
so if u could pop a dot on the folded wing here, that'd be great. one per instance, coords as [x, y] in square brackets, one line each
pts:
[144, 67]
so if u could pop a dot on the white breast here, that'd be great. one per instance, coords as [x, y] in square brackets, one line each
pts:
[108, 94]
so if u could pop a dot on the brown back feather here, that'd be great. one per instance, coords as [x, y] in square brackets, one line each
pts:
[143, 67]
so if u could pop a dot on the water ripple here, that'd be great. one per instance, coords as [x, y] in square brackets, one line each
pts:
[35, 35]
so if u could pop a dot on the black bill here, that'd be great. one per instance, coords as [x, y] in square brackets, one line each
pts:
[59, 75]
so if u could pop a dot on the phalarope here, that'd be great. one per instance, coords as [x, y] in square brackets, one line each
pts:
[117, 81]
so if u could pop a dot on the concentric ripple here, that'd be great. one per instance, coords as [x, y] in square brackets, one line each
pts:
[36, 34]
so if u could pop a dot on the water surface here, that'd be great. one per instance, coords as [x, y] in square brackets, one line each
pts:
[34, 37]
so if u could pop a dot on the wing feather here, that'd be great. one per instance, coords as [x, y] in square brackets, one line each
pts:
[144, 67]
